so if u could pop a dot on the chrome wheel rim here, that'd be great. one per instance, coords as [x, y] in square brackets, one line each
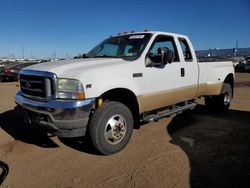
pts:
[115, 129]
[227, 99]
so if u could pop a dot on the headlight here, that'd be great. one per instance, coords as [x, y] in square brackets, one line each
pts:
[70, 89]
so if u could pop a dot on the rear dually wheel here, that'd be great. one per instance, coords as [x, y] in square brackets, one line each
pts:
[222, 101]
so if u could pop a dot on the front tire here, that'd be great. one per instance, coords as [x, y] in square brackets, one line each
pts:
[222, 101]
[111, 127]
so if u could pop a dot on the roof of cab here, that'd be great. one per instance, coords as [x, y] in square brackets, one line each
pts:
[152, 32]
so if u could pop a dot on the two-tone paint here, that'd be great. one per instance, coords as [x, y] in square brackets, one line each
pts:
[153, 87]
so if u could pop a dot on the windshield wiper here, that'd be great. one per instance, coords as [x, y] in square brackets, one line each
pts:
[81, 56]
[106, 56]
[84, 56]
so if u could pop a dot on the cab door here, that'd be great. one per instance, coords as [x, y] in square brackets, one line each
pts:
[166, 84]
[189, 66]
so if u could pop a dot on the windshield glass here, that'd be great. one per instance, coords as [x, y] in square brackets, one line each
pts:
[124, 46]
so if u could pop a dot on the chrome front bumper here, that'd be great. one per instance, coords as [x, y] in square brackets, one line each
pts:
[65, 118]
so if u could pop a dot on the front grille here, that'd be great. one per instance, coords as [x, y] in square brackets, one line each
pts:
[38, 87]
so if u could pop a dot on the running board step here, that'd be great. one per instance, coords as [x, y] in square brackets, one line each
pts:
[174, 110]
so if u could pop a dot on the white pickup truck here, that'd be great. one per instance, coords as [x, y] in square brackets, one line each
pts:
[125, 80]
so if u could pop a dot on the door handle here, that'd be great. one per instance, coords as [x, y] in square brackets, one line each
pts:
[182, 72]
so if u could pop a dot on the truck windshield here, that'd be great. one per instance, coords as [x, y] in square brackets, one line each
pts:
[124, 46]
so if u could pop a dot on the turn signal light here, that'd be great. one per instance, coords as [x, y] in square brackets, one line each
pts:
[80, 96]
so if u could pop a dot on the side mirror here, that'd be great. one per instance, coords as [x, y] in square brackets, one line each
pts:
[153, 60]
[163, 57]
[167, 55]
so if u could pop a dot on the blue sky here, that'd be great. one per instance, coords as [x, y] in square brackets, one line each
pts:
[41, 27]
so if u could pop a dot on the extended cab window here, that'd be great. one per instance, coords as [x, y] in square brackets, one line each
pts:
[164, 42]
[185, 50]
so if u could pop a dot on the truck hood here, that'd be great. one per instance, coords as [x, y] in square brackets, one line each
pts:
[71, 68]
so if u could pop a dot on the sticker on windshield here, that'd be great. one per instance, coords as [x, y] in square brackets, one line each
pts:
[137, 37]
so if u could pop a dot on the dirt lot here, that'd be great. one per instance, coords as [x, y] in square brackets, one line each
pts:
[194, 149]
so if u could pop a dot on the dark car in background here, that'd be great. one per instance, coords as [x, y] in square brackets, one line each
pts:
[10, 73]
[243, 66]
[247, 65]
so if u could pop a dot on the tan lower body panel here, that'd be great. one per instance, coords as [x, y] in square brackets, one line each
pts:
[165, 98]
[161, 99]
[213, 88]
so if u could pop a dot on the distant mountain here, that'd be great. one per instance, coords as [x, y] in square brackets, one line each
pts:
[223, 52]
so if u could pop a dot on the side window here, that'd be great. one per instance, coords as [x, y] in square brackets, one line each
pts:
[167, 42]
[185, 50]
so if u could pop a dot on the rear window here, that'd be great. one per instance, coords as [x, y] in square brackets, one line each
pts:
[185, 50]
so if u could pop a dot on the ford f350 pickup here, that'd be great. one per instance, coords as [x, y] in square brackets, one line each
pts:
[126, 79]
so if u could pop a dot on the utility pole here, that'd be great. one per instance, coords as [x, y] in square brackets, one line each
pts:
[22, 53]
[236, 48]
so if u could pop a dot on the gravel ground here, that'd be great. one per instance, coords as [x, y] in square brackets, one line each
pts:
[198, 148]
